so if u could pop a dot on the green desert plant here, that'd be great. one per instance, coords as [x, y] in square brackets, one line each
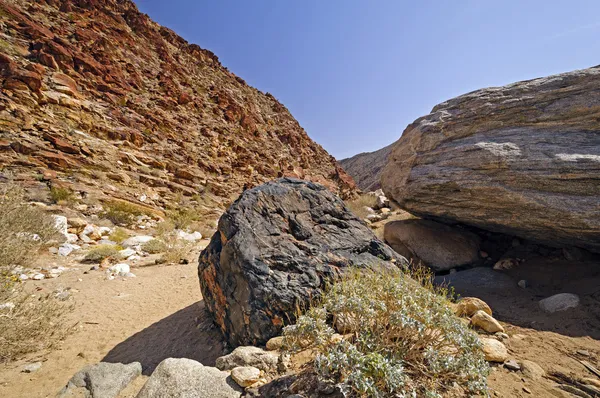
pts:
[60, 194]
[401, 339]
[118, 235]
[121, 212]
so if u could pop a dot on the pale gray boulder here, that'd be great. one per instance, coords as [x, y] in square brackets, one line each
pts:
[101, 380]
[522, 159]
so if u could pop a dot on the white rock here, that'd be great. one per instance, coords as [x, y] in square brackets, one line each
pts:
[143, 198]
[134, 258]
[121, 269]
[126, 253]
[60, 223]
[7, 306]
[190, 237]
[31, 367]
[103, 231]
[90, 228]
[559, 302]
[136, 240]
[85, 239]
[38, 277]
[245, 376]
[107, 242]
[23, 277]
[67, 248]
[71, 238]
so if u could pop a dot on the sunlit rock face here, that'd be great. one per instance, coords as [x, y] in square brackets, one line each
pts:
[522, 159]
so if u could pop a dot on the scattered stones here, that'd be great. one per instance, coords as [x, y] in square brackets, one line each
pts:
[439, 246]
[531, 370]
[190, 237]
[102, 380]
[511, 364]
[486, 322]
[67, 248]
[493, 350]
[185, 378]
[245, 375]
[136, 241]
[31, 367]
[248, 356]
[468, 306]
[559, 302]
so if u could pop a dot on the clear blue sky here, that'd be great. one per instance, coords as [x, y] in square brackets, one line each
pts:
[356, 73]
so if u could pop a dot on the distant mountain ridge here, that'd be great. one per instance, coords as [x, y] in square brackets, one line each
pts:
[365, 168]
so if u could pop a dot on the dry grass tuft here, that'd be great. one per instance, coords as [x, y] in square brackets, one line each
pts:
[155, 246]
[118, 235]
[121, 212]
[358, 206]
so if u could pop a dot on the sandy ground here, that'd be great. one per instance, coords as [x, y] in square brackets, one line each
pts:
[159, 314]
[154, 316]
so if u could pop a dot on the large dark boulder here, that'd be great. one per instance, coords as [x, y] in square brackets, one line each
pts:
[522, 159]
[275, 249]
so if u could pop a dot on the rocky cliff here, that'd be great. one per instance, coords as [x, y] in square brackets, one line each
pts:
[97, 96]
[365, 168]
[522, 159]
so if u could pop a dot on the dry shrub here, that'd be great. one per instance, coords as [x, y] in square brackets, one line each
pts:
[358, 206]
[122, 212]
[118, 235]
[404, 339]
[27, 323]
[155, 246]
[175, 249]
[30, 323]
[98, 253]
[60, 194]
[24, 229]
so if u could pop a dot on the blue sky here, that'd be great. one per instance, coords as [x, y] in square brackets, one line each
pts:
[356, 73]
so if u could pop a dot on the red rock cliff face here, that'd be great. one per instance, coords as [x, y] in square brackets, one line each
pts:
[95, 92]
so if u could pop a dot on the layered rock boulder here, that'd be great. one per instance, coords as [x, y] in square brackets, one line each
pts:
[522, 159]
[275, 249]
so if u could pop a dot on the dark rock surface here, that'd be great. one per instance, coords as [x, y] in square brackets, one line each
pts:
[522, 159]
[274, 250]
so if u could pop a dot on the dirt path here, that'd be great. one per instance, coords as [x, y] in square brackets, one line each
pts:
[149, 318]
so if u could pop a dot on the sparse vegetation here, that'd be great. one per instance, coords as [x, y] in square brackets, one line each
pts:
[400, 339]
[118, 235]
[27, 323]
[23, 229]
[122, 212]
[60, 194]
[155, 246]
[358, 206]
[100, 252]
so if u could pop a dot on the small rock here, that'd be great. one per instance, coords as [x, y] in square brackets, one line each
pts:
[506, 264]
[102, 380]
[23, 277]
[486, 322]
[136, 240]
[38, 277]
[470, 305]
[190, 237]
[31, 367]
[248, 356]
[522, 284]
[585, 353]
[67, 248]
[512, 365]
[532, 370]
[501, 336]
[245, 375]
[527, 390]
[559, 302]
[483, 254]
[121, 269]
[493, 350]
[125, 253]
[276, 343]
[7, 306]
[61, 224]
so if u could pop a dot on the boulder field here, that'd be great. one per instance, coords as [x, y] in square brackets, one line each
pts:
[275, 249]
[523, 159]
